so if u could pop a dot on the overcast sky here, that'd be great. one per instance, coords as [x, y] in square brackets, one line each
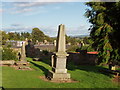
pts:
[23, 16]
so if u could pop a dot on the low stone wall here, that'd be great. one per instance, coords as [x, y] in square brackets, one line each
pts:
[83, 58]
[7, 62]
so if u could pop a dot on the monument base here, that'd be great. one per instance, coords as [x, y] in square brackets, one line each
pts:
[58, 76]
[22, 63]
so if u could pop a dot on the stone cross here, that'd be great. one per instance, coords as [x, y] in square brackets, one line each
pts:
[23, 56]
[59, 71]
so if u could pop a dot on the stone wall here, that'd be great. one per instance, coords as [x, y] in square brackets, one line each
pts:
[82, 58]
[7, 62]
[49, 47]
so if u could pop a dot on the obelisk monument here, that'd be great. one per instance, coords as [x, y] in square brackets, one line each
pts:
[59, 71]
[23, 56]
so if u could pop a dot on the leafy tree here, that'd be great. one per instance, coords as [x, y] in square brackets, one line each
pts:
[37, 34]
[104, 30]
[11, 36]
[71, 40]
[8, 54]
[28, 35]
[18, 36]
[4, 37]
[25, 35]
[87, 40]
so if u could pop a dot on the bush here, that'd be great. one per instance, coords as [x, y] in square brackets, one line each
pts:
[45, 52]
[8, 54]
[86, 47]
[72, 48]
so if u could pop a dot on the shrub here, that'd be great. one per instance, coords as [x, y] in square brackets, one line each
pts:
[45, 52]
[72, 48]
[86, 47]
[8, 54]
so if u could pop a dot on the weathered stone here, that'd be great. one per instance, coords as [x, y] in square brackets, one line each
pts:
[61, 42]
[19, 63]
[54, 42]
[23, 56]
[58, 76]
[59, 71]
[7, 62]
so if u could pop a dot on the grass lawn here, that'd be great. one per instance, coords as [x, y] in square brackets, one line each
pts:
[0, 76]
[88, 77]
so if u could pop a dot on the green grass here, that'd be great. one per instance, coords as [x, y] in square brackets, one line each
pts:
[88, 77]
[0, 76]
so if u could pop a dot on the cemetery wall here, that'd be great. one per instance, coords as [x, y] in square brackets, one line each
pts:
[82, 58]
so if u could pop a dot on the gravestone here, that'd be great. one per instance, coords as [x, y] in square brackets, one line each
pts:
[37, 42]
[69, 43]
[23, 55]
[59, 71]
[45, 41]
[26, 40]
[54, 42]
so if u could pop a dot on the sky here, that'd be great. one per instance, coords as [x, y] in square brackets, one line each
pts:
[47, 16]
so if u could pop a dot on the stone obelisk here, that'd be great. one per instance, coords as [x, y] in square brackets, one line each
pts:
[23, 56]
[59, 71]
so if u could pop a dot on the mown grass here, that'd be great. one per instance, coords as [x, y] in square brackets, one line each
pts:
[88, 77]
[0, 76]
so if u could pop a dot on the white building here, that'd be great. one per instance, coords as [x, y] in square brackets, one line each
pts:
[14, 43]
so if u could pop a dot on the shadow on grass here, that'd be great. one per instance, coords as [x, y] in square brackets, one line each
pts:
[71, 66]
[45, 58]
[88, 68]
[41, 67]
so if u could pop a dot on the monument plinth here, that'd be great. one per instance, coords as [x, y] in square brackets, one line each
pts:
[59, 71]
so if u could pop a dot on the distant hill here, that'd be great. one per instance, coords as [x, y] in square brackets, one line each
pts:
[77, 36]
[80, 36]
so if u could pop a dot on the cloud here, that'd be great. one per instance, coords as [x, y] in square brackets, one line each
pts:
[16, 25]
[45, 0]
[1, 10]
[26, 8]
[80, 30]
[23, 10]
[18, 28]
[49, 30]
[59, 0]
[29, 4]
[31, 7]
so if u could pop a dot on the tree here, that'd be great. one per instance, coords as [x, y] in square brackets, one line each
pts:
[104, 30]
[28, 35]
[4, 36]
[25, 35]
[9, 54]
[71, 40]
[37, 34]
[11, 35]
[18, 36]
